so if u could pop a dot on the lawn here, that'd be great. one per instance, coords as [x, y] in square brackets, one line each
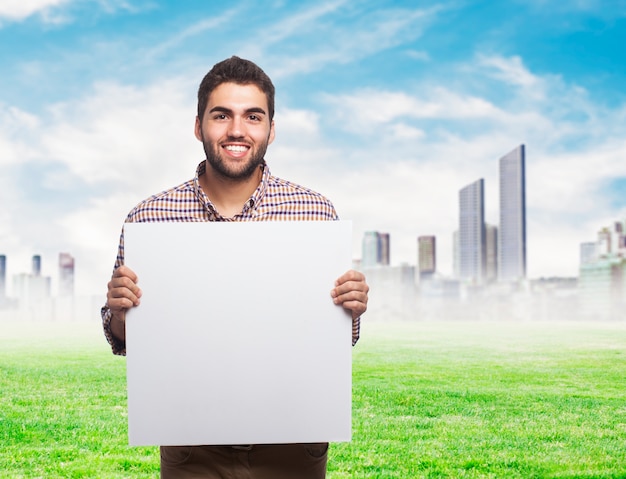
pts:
[431, 400]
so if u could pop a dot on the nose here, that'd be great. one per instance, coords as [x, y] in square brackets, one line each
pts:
[236, 128]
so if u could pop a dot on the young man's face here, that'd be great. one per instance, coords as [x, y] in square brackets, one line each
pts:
[235, 130]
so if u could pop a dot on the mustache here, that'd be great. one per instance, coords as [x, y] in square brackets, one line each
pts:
[237, 139]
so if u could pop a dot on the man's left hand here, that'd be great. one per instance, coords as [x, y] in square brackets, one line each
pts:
[350, 291]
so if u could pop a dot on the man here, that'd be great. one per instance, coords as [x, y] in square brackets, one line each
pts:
[235, 125]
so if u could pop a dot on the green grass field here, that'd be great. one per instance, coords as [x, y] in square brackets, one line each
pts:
[431, 400]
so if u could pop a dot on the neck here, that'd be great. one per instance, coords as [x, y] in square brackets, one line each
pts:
[229, 195]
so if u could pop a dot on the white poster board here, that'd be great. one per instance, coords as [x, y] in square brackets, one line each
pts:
[237, 339]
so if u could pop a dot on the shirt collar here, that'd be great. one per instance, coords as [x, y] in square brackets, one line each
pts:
[249, 207]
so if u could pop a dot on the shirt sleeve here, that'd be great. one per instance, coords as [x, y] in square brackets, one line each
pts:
[118, 346]
[356, 330]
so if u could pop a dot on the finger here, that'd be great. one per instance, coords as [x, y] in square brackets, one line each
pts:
[124, 283]
[124, 277]
[121, 304]
[125, 272]
[347, 287]
[351, 297]
[122, 298]
[350, 275]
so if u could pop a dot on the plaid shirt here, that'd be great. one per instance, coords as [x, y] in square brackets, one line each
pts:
[273, 200]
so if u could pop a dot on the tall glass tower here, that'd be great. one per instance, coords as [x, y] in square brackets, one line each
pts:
[427, 256]
[383, 256]
[512, 233]
[370, 256]
[375, 249]
[3, 276]
[472, 238]
[66, 274]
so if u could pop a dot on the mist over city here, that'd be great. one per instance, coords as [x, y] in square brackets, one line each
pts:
[489, 280]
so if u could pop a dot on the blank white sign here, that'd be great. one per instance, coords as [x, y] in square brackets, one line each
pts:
[237, 339]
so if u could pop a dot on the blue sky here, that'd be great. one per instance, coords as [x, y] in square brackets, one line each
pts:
[388, 108]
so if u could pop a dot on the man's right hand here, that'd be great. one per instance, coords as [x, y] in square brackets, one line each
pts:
[123, 294]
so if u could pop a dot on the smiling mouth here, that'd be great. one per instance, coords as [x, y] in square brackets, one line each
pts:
[236, 148]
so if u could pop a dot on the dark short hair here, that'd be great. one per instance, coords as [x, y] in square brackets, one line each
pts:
[235, 70]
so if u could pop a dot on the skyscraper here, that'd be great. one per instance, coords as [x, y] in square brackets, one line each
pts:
[588, 252]
[3, 277]
[66, 274]
[491, 268]
[31, 288]
[36, 265]
[456, 256]
[472, 238]
[512, 231]
[427, 259]
[375, 249]
[384, 255]
[370, 249]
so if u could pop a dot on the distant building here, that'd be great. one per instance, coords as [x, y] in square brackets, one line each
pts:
[385, 255]
[375, 249]
[30, 289]
[512, 231]
[456, 257]
[3, 277]
[472, 240]
[602, 278]
[588, 252]
[392, 292]
[36, 265]
[491, 263]
[370, 249]
[66, 274]
[427, 256]
[617, 237]
[602, 287]
[603, 242]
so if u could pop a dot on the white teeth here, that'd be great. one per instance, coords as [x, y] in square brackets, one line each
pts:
[236, 148]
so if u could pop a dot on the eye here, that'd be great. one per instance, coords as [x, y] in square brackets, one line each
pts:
[254, 117]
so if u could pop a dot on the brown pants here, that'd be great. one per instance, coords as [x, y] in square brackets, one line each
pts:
[264, 461]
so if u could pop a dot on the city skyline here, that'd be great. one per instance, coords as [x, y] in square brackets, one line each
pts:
[385, 109]
[26, 286]
[482, 253]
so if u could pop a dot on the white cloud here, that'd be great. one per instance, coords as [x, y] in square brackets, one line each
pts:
[192, 31]
[366, 110]
[375, 32]
[12, 122]
[510, 70]
[55, 11]
[21, 9]
[120, 134]
[418, 55]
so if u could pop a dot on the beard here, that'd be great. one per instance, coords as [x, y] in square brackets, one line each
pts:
[239, 172]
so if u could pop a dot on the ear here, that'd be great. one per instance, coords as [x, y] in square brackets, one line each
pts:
[198, 129]
[272, 134]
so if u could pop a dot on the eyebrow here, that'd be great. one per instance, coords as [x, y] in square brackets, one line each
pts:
[223, 109]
